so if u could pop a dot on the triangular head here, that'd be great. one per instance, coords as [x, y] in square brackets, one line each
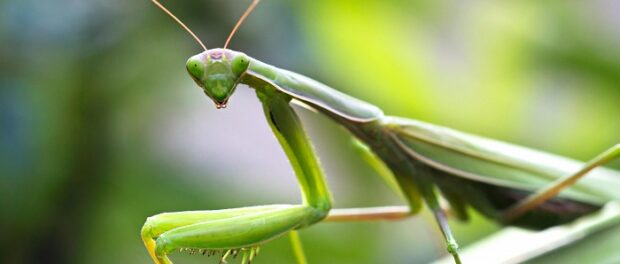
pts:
[218, 71]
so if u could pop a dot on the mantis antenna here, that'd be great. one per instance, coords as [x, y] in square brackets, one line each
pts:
[243, 17]
[180, 23]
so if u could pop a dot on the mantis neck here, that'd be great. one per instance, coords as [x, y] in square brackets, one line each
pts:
[315, 94]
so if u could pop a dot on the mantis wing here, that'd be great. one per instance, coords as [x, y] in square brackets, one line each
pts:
[503, 164]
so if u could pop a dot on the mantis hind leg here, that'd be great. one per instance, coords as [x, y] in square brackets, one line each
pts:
[227, 230]
[430, 197]
[556, 187]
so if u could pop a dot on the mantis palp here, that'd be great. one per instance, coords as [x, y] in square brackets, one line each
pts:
[509, 184]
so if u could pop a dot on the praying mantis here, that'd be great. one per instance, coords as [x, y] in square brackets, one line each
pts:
[509, 184]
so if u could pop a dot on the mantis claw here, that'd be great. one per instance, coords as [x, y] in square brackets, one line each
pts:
[244, 260]
[224, 256]
[253, 253]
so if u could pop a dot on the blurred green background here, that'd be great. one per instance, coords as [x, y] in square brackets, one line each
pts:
[100, 126]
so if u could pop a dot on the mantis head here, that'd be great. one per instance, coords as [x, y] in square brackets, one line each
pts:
[218, 71]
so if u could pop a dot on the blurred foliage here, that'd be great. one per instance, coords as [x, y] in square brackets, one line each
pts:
[100, 127]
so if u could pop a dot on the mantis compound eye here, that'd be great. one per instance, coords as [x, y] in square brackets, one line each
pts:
[239, 64]
[196, 68]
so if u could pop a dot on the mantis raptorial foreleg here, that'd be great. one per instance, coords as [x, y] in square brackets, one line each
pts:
[556, 187]
[160, 224]
[231, 229]
[288, 130]
[248, 227]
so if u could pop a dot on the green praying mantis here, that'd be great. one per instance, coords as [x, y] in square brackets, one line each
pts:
[510, 184]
